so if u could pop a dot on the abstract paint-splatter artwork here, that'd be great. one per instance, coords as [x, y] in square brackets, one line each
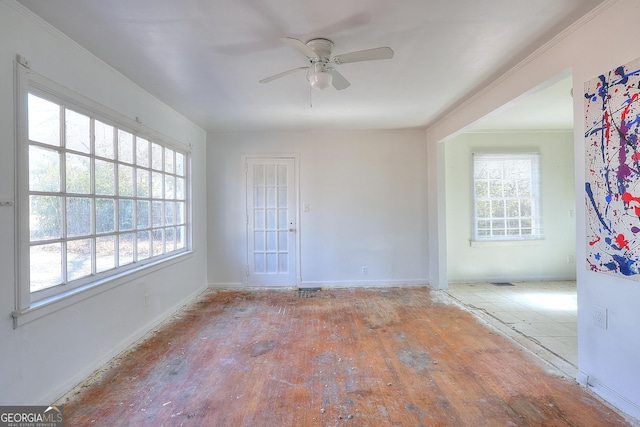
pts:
[612, 124]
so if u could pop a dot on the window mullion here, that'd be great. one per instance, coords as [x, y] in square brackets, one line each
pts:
[63, 198]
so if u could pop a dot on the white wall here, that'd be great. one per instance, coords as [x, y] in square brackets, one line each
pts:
[42, 359]
[607, 359]
[367, 193]
[548, 259]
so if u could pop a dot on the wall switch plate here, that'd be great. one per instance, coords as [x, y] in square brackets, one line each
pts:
[600, 315]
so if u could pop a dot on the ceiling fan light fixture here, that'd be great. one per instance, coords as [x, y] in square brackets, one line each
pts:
[320, 80]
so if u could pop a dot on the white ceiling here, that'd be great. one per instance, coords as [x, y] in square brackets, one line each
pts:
[205, 57]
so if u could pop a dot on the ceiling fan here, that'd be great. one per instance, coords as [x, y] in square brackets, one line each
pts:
[320, 71]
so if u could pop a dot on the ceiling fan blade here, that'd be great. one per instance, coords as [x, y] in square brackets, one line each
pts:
[284, 73]
[364, 55]
[338, 80]
[300, 46]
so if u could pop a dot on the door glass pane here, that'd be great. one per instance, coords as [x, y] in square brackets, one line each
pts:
[282, 175]
[282, 197]
[258, 263]
[283, 263]
[258, 219]
[270, 175]
[283, 237]
[272, 244]
[258, 175]
[282, 219]
[272, 263]
[271, 219]
[259, 241]
[271, 197]
[258, 197]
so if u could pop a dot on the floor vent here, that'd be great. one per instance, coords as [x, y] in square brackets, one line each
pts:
[502, 284]
[308, 292]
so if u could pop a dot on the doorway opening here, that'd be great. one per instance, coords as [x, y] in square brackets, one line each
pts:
[541, 303]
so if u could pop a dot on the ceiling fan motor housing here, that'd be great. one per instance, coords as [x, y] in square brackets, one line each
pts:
[322, 47]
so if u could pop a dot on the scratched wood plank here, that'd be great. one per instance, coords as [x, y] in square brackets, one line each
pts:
[364, 357]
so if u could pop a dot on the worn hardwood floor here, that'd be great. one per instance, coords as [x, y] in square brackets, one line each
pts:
[361, 357]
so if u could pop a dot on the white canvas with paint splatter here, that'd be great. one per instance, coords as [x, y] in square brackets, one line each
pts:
[612, 187]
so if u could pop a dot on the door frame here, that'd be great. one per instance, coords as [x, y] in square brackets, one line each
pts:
[296, 190]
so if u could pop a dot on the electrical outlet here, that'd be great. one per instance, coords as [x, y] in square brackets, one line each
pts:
[365, 270]
[600, 317]
[146, 300]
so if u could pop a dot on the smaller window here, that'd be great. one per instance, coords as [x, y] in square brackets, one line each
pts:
[506, 197]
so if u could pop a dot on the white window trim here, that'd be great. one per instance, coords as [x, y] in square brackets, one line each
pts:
[510, 240]
[27, 309]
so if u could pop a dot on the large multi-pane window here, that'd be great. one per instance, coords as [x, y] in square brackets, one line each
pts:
[506, 197]
[103, 199]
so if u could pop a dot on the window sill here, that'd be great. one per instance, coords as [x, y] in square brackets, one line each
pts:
[62, 300]
[511, 243]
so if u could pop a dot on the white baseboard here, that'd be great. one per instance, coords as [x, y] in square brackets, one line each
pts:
[362, 283]
[229, 285]
[513, 279]
[611, 396]
[327, 284]
[65, 389]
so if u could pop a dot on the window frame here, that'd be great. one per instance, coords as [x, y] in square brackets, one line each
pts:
[28, 82]
[537, 231]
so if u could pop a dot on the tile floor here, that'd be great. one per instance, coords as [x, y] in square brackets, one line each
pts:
[544, 312]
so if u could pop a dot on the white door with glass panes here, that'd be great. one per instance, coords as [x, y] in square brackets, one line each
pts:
[271, 222]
